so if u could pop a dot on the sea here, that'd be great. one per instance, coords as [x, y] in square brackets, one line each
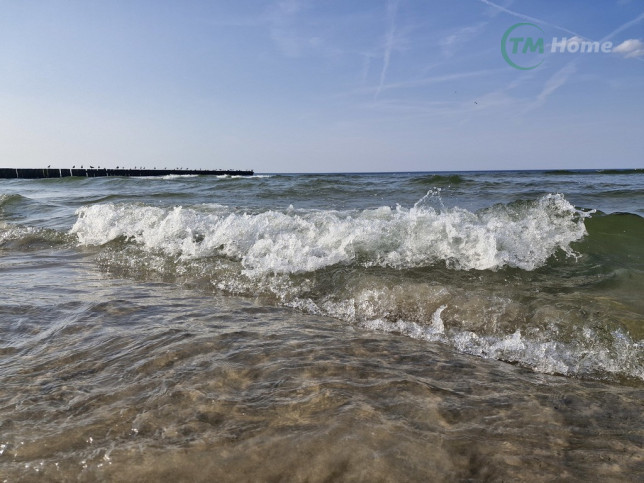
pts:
[466, 326]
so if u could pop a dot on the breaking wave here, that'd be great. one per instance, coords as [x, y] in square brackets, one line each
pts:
[522, 235]
[484, 282]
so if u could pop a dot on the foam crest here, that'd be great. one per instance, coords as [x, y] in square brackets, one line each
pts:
[237, 176]
[524, 235]
[179, 176]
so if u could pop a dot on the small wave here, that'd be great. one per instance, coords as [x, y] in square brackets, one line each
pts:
[560, 172]
[179, 176]
[237, 176]
[621, 171]
[14, 206]
[568, 172]
[10, 199]
[438, 180]
[16, 237]
[567, 336]
[584, 357]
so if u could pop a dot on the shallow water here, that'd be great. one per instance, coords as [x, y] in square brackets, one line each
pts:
[174, 351]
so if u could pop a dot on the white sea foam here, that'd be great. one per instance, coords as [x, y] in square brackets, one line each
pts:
[236, 176]
[179, 176]
[304, 241]
[619, 356]
[10, 232]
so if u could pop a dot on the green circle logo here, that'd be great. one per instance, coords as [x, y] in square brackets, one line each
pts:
[522, 46]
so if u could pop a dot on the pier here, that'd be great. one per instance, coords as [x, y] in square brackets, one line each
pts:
[27, 173]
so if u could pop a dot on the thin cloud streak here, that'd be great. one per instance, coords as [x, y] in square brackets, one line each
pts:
[621, 28]
[422, 82]
[450, 43]
[527, 17]
[440, 78]
[390, 37]
[555, 82]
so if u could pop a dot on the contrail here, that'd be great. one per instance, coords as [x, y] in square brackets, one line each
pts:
[392, 8]
[624, 27]
[532, 19]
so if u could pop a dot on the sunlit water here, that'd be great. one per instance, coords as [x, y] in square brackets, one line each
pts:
[465, 327]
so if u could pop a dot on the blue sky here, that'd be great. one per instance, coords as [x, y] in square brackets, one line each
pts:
[317, 86]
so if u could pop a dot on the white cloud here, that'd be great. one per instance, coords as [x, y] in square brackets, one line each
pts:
[630, 48]
[555, 82]
[426, 81]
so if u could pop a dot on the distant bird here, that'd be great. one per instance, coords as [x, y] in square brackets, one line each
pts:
[73, 166]
[117, 167]
[475, 102]
[49, 166]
